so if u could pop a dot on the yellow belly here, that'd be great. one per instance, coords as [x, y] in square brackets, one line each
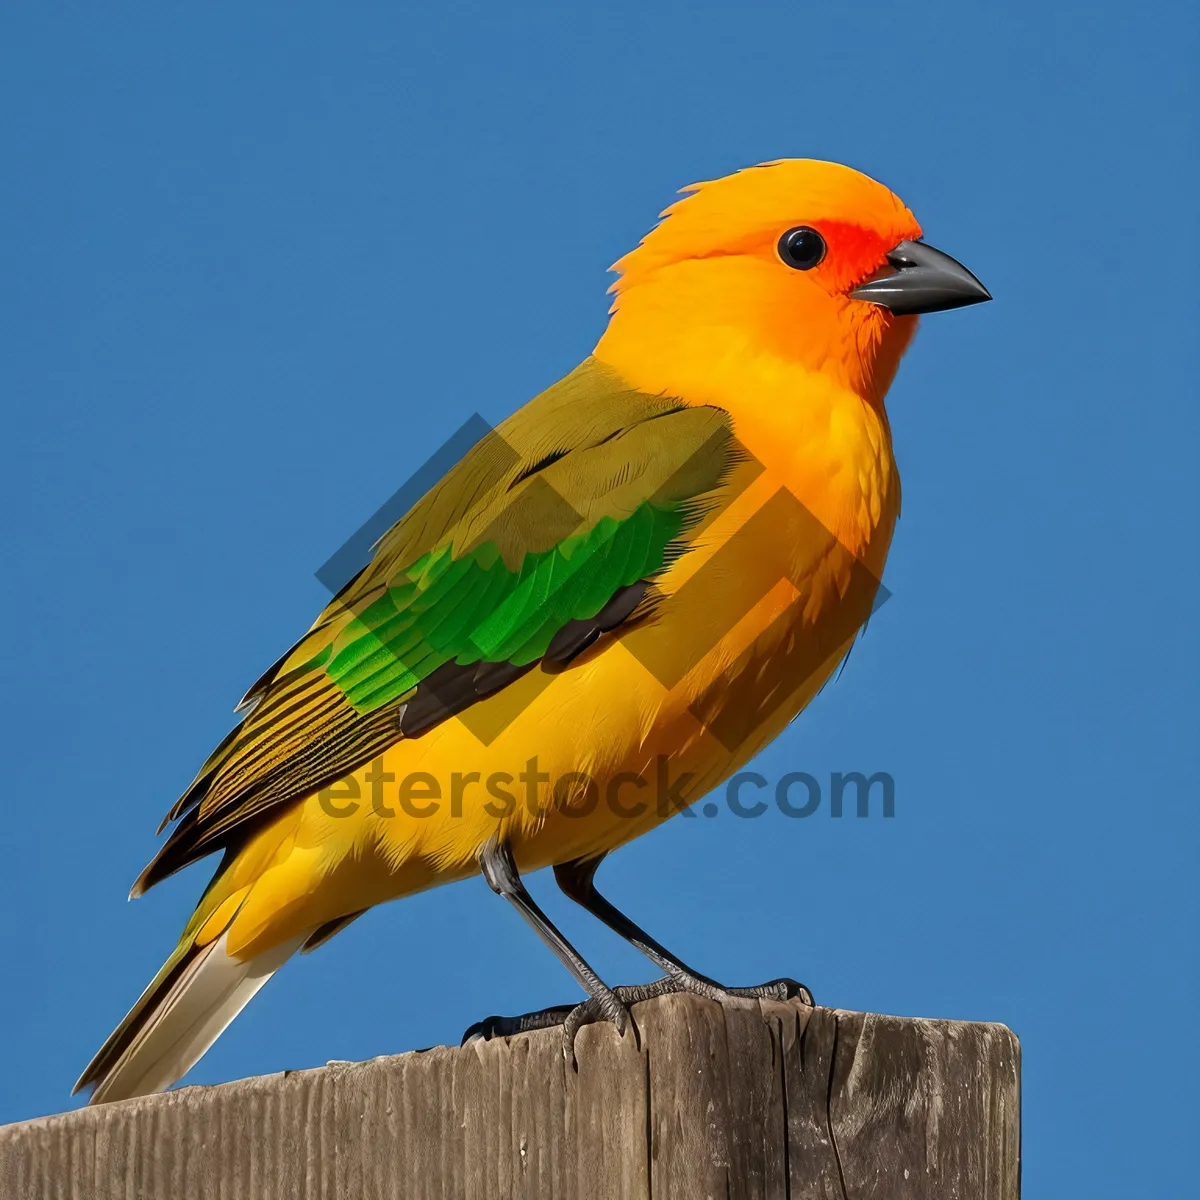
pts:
[564, 766]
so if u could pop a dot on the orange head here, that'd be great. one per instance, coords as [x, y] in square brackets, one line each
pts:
[792, 264]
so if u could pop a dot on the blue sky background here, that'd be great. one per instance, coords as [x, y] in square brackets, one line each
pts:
[260, 260]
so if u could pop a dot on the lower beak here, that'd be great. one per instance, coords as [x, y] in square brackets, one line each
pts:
[920, 279]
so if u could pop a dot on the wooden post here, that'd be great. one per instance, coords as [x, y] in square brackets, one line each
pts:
[739, 1100]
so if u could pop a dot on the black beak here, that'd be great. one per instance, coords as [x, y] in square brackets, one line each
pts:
[920, 279]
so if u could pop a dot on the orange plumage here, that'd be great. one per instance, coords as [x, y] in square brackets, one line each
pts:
[732, 417]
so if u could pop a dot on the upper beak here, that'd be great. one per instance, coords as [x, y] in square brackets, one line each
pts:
[921, 280]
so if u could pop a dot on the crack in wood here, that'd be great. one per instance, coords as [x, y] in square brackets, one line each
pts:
[752, 1102]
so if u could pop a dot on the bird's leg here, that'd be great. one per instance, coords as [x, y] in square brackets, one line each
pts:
[500, 870]
[577, 880]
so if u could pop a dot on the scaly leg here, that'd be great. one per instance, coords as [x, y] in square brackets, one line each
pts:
[577, 880]
[500, 870]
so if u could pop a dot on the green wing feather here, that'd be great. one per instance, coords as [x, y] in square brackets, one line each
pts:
[589, 489]
[474, 609]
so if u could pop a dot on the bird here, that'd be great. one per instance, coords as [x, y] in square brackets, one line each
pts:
[609, 604]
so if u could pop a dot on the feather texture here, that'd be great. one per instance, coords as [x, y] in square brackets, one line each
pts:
[178, 1017]
[587, 491]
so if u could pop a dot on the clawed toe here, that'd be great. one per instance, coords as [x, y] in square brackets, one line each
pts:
[697, 985]
[613, 1007]
[775, 989]
[495, 1026]
[591, 1012]
[572, 1018]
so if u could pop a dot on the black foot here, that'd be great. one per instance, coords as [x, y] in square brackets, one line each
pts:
[494, 1026]
[775, 989]
[573, 1019]
[699, 985]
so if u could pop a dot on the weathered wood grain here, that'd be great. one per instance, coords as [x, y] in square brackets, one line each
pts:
[745, 1100]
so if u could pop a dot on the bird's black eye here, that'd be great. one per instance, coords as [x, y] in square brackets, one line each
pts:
[802, 248]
